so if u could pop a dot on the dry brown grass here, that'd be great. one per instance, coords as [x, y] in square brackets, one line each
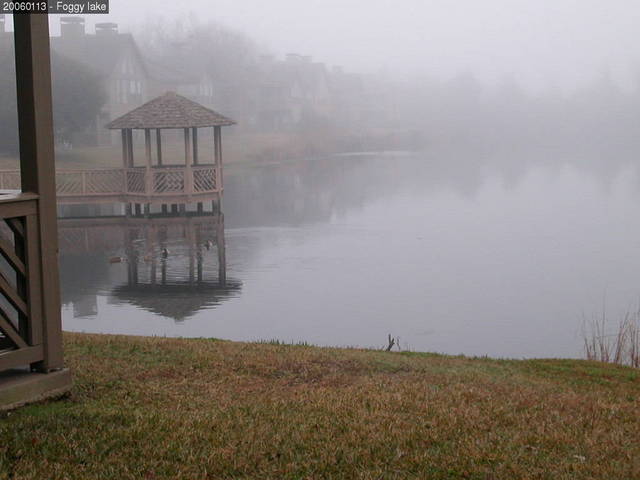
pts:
[620, 344]
[171, 408]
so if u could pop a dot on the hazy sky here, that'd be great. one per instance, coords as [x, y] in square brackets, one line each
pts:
[542, 42]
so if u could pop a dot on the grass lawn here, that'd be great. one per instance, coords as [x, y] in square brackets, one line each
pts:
[148, 408]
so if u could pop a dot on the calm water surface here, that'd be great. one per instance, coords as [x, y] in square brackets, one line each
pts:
[496, 260]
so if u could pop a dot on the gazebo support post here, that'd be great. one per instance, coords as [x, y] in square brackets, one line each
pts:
[188, 180]
[125, 155]
[148, 172]
[130, 147]
[159, 145]
[195, 145]
[217, 148]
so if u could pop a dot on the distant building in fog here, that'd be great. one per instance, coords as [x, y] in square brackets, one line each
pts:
[128, 78]
[289, 93]
[264, 95]
[115, 58]
[191, 81]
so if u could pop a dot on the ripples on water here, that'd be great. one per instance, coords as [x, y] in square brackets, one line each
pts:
[499, 260]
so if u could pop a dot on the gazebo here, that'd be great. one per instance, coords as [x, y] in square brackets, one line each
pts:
[198, 179]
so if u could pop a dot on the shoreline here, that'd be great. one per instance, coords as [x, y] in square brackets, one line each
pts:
[201, 408]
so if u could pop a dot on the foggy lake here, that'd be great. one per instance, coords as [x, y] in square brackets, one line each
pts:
[497, 258]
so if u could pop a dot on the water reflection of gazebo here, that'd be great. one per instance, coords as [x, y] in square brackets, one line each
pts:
[174, 279]
[178, 301]
[175, 266]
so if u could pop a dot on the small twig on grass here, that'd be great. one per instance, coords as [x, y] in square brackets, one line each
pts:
[393, 342]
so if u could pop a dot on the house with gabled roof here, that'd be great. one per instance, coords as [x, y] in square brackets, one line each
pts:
[117, 61]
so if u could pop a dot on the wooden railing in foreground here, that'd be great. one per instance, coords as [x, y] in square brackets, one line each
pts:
[137, 182]
[21, 314]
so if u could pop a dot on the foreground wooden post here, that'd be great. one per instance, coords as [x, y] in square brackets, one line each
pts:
[37, 166]
[36, 340]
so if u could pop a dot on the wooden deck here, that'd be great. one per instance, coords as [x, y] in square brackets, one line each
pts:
[158, 184]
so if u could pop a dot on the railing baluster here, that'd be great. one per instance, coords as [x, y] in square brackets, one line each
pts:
[33, 278]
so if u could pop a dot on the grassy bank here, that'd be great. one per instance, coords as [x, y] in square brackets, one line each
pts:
[164, 408]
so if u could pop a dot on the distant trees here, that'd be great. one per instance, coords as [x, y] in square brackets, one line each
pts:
[78, 96]
[188, 46]
[369, 111]
[190, 49]
[464, 112]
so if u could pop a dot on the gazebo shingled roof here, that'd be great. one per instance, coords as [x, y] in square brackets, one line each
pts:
[170, 111]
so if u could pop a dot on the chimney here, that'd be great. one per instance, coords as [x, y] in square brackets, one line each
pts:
[72, 28]
[293, 57]
[106, 28]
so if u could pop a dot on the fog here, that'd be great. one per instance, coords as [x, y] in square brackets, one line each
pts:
[413, 75]
[489, 76]
[543, 43]
[474, 161]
